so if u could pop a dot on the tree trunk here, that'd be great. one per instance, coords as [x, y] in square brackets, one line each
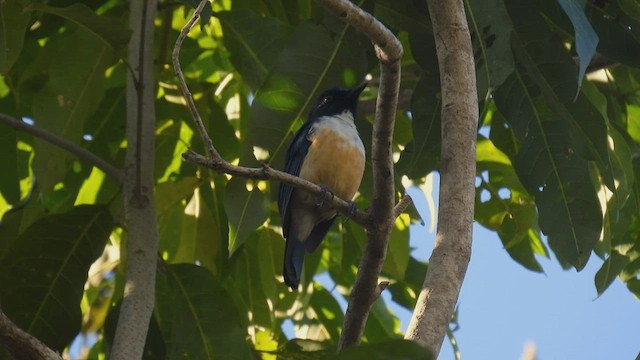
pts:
[452, 250]
[139, 203]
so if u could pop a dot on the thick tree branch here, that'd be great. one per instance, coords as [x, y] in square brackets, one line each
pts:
[452, 249]
[389, 51]
[21, 344]
[139, 201]
[82, 153]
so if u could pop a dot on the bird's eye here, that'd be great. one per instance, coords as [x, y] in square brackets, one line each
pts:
[326, 100]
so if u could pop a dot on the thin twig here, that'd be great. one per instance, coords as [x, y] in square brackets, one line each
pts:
[380, 218]
[21, 344]
[81, 153]
[217, 163]
[402, 205]
[268, 173]
[206, 140]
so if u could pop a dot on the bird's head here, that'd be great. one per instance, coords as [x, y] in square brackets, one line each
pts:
[336, 101]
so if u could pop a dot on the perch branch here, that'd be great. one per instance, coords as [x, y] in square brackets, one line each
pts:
[21, 344]
[82, 153]
[217, 163]
[389, 52]
[380, 218]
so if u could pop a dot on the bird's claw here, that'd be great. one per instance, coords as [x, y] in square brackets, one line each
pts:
[323, 197]
[352, 210]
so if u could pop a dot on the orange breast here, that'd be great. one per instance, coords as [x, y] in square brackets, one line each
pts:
[335, 161]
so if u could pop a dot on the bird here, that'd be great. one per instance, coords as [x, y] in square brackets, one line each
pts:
[328, 151]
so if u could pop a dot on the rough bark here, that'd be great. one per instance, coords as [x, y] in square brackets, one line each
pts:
[452, 250]
[138, 199]
[22, 345]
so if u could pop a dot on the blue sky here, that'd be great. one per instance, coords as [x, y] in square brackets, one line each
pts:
[503, 306]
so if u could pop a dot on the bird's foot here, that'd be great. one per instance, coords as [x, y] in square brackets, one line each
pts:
[352, 211]
[326, 193]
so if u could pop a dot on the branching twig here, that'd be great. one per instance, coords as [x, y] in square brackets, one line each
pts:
[380, 218]
[62, 143]
[21, 344]
[389, 52]
[268, 173]
[175, 57]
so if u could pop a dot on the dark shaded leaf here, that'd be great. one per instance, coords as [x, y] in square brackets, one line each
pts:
[44, 272]
[586, 38]
[70, 96]
[490, 28]
[113, 32]
[245, 209]
[559, 180]
[254, 42]
[611, 267]
[387, 350]
[197, 316]
[14, 23]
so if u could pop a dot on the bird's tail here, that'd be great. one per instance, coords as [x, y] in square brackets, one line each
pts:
[293, 258]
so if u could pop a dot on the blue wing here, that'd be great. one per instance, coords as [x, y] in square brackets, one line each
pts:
[295, 157]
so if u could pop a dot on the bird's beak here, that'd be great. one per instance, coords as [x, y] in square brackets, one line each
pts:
[355, 93]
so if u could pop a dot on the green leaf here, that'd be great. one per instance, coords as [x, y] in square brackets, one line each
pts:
[387, 350]
[70, 96]
[382, 323]
[503, 205]
[44, 272]
[254, 42]
[198, 318]
[631, 8]
[315, 57]
[611, 267]
[411, 16]
[245, 209]
[405, 292]
[549, 68]
[112, 32]
[618, 31]
[395, 264]
[559, 180]
[327, 310]
[586, 38]
[491, 35]
[420, 156]
[12, 30]
[9, 181]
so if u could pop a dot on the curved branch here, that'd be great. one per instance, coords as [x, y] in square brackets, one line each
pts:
[21, 344]
[268, 173]
[389, 52]
[82, 153]
[452, 249]
[380, 218]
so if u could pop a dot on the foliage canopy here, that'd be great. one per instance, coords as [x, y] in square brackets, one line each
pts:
[557, 156]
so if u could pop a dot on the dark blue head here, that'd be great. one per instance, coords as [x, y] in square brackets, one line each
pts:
[336, 101]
